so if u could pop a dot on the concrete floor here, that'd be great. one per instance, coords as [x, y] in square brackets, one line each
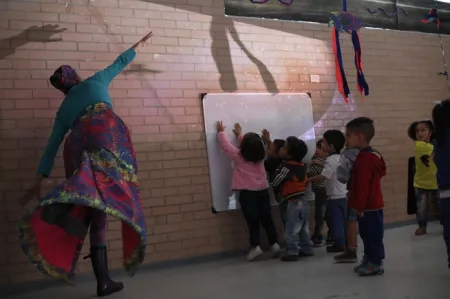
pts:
[415, 269]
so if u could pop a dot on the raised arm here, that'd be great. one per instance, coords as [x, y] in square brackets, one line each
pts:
[228, 148]
[108, 74]
[121, 62]
[48, 157]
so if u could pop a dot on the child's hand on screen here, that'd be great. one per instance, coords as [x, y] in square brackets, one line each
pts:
[220, 127]
[237, 130]
[266, 136]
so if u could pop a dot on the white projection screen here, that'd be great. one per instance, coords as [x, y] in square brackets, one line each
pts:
[284, 115]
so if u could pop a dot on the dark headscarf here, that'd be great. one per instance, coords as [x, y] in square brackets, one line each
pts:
[64, 78]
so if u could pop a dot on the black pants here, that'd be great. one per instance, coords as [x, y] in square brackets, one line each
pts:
[445, 212]
[320, 206]
[371, 230]
[256, 208]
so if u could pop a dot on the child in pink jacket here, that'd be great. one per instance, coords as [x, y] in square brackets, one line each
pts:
[250, 179]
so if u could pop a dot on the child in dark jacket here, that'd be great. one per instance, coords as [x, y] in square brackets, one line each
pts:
[271, 164]
[441, 120]
[320, 193]
[291, 177]
[365, 197]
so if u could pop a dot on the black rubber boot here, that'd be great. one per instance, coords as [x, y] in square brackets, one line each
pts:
[59, 214]
[105, 285]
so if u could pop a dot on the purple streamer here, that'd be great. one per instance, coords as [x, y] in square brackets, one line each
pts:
[284, 2]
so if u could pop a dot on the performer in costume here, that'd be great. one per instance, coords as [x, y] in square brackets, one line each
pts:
[101, 172]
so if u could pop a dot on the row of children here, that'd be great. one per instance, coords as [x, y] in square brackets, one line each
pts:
[346, 185]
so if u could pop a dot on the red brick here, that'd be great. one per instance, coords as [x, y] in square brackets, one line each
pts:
[193, 207]
[144, 129]
[17, 114]
[31, 84]
[185, 119]
[172, 128]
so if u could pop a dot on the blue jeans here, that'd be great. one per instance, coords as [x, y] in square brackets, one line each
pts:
[424, 198]
[297, 231]
[336, 215]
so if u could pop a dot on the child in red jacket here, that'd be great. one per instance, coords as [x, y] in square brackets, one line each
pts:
[365, 196]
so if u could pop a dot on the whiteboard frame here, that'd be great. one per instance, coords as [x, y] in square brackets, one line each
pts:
[272, 196]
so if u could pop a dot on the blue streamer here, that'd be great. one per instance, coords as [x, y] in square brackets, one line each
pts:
[391, 15]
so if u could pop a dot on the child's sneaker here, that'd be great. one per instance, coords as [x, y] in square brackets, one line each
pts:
[317, 241]
[363, 261]
[335, 249]
[421, 231]
[254, 253]
[275, 251]
[289, 258]
[330, 241]
[369, 269]
[348, 256]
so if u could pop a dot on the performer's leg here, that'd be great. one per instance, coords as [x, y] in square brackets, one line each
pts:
[99, 257]
[60, 214]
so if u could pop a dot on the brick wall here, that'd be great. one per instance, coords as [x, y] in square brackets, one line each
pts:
[195, 50]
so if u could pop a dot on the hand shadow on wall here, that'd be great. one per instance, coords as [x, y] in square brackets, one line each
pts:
[41, 34]
[224, 63]
[140, 68]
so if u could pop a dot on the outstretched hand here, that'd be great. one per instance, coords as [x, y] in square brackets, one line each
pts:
[220, 127]
[143, 41]
[237, 130]
[266, 136]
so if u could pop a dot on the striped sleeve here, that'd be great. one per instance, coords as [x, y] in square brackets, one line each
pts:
[281, 174]
[313, 170]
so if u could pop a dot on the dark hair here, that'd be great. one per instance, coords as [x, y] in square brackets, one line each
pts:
[319, 143]
[441, 120]
[253, 148]
[278, 143]
[363, 125]
[296, 148]
[335, 138]
[413, 127]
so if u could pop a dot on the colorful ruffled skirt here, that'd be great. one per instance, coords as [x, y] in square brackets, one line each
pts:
[101, 172]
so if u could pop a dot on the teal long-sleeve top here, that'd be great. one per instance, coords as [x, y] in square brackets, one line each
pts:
[87, 93]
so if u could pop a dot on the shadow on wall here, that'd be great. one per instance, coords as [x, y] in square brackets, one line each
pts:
[42, 34]
[220, 25]
[8, 46]
[218, 32]
[221, 53]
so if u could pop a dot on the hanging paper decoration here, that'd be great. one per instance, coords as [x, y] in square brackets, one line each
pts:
[391, 15]
[348, 23]
[433, 18]
[344, 22]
